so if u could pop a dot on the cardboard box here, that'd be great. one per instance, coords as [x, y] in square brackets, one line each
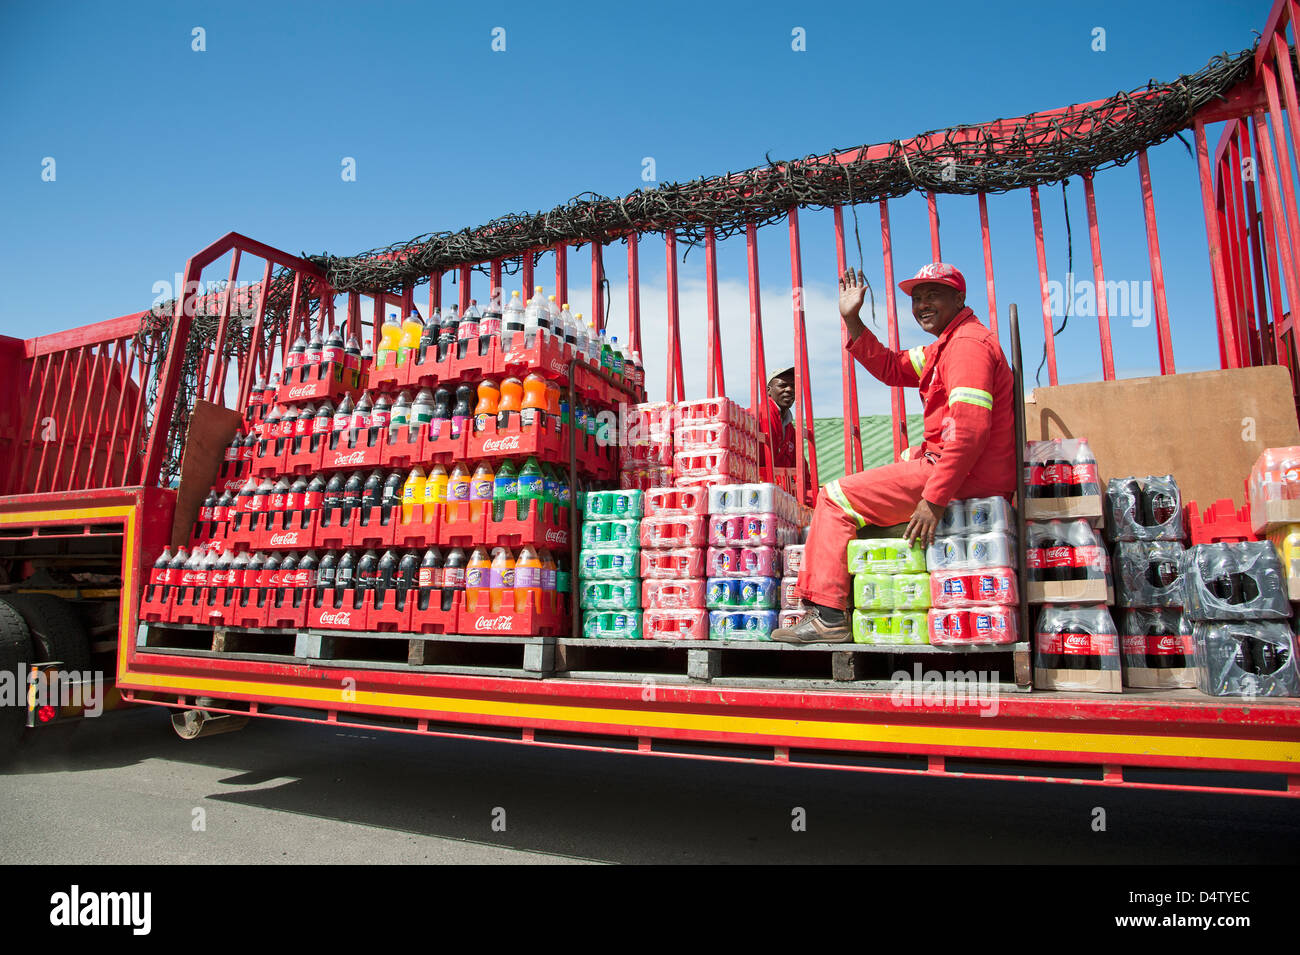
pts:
[1088, 507]
[1071, 592]
[1084, 681]
[1149, 678]
[1268, 516]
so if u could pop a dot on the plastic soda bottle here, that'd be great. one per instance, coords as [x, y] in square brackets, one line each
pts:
[554, 407]
[505, 487]
[460, 412]
[435, 491]
[501, 580]
[616, 358]
[528, 581]
[413, 493]
[477, 595]
[457, 494]
[532, 487]
[512, 319]
[390, 337]
[533, 409]
[511, 403]
[480, 491]
[468, 331]
[488, 397]
[408, 342]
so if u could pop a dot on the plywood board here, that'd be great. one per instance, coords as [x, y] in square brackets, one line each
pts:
[1204, 428]
[212, 428]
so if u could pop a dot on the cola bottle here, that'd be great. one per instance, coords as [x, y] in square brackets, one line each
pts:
[1161, 637]
[1058, 555]
[1218, 570]
[408, 567]
[239, 571]
[345, 575]
[261, 502]
[461, 411]
[1159, 503]
[1162, 569]
[428, 339]
[343, 416]
[233, 450]
[325, 573]
[225, 506]
[161, 568]
[314, 496]
[441, 422]
[453, 577]
[430, 576]
[448, 330]
[392, 494]
[270, 577]
[1059, 474]
[352, 354]
[323, 424]
[269, 427]
[288, 574]
[1087, 557]
[1035, 486]
[353, 489]
[372, 492]
[222, 574]
[304, 421]
[1084, 471]
[315, 349]
[333, 351]
[253, 574]
[278, 503]
[208, 508]
[366, 575]
[382, 412]
[384, 572]
[297, 353]
[332, 500]
[249, 449]
[361, 413]
[306, 578]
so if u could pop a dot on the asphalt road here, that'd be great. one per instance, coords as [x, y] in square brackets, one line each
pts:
[125, 789]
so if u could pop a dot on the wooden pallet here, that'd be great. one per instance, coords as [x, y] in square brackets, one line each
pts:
[784, 666]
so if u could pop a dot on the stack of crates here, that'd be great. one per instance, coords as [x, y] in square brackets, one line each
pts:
[891, 591]
[672, 563]
[609, 588]
[715, 443]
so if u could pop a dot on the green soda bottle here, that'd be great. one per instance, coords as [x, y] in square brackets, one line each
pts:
[505, 487]
[532, 487]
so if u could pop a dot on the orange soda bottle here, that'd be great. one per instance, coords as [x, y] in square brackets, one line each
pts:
[477, 594]
[553, 405]
[501, 580]
[512, 397]
[488, 396]
[480, 491]
[457, 495]
[435, 492]
[534, 407]
[528, 581]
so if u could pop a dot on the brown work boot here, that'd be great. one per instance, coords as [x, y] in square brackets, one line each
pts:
[820, 625]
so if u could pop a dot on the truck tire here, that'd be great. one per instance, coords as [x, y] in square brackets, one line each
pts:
[57, 633]
[15, 652]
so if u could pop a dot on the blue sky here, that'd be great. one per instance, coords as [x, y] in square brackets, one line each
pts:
[161, 149]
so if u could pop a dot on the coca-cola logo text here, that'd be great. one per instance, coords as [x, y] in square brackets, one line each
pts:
[508, 443]
[504, 622]
[557, 537]
[341, 619]
[284, 540]
[344, 459]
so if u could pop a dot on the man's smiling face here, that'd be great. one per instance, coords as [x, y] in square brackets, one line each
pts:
[934, 305]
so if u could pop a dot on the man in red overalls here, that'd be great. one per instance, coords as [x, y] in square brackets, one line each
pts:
[968, 450]
[780, 399]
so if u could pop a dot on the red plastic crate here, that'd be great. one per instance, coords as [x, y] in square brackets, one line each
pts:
[268, 457]
[476, 365]
[464, 533]
[402, 448]
[1222, 521]
[220, 605]
[369, 529]
[336, 611]
[303, 453]
[245, 611]
[545, 526]
[548, 356]
[530, 622]
[385, 374]
[518, 441]
[242, 530]
[286, 616]
[418, 532]
[445, 448]
[601, 461]
[353, 449]
[433, 619]
[189, 605]
[331, 531]
[316, 383]
[393, 615]
[286, 532]
[156, 604]
[428, 373]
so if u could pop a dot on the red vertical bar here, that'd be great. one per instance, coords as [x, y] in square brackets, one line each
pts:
[1228, 243]
[897, 400]
[757, 355]
[93, 396]
[1268, 352]
[1099, 282]
[98, 432]
[676, 390]
[714, 384]
[1164, 342]
[291, 330]
[132, 463]
[633, 294]
[561, 274]
[932, 204]
[528, 276]
[848, 374]
[376, 321]
[219, 372]
[329, 309]
[1272, 243]
[1241, 239]
[988, 265]
[1286, 219]
[1216, 252]
[805, 475]
[20, 465]
[598, 289]
[119, 429]
[466, 279]
[64, 424]
[494, 280]
[1048, 329]
[256, 346]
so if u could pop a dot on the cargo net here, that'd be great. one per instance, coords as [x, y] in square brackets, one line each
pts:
[990, 157]
[156, 327]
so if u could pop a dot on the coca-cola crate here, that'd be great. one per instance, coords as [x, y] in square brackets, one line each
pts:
[446, 447]
[389, 611]
[233, 469]
[420, 530]
[385, 374]
[479, 361]
[372, 528]
[189, 605]
[287, 531]
[518, 441]
[433, 619]
[545, 525]
[462, 533]
[402, 447]
[204, 532]
[335, 610]
[303, 453]
[316, 382]
[547, 356]
[248, 608]
[333, 530]
[242, 530]
[428, 373]
[600, 460]
[353, 448]
[281, 614]
[551, 621]
[268, 456]
[156, 603]
[220, 604]
[1222, 521]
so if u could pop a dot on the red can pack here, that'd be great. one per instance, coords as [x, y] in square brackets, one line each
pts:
[948, 627]
[662, 533]
[676, 501]
[790, 593]
[709, 411]
[741, 562]
[675, 625]
[949, 589]
[702, 464]
[793, 559]
[994, 624]
[672, 564]
[995, 585]
[748, 530]
[673, 594]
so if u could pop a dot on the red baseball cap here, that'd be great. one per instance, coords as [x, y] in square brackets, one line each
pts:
[940, 273]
